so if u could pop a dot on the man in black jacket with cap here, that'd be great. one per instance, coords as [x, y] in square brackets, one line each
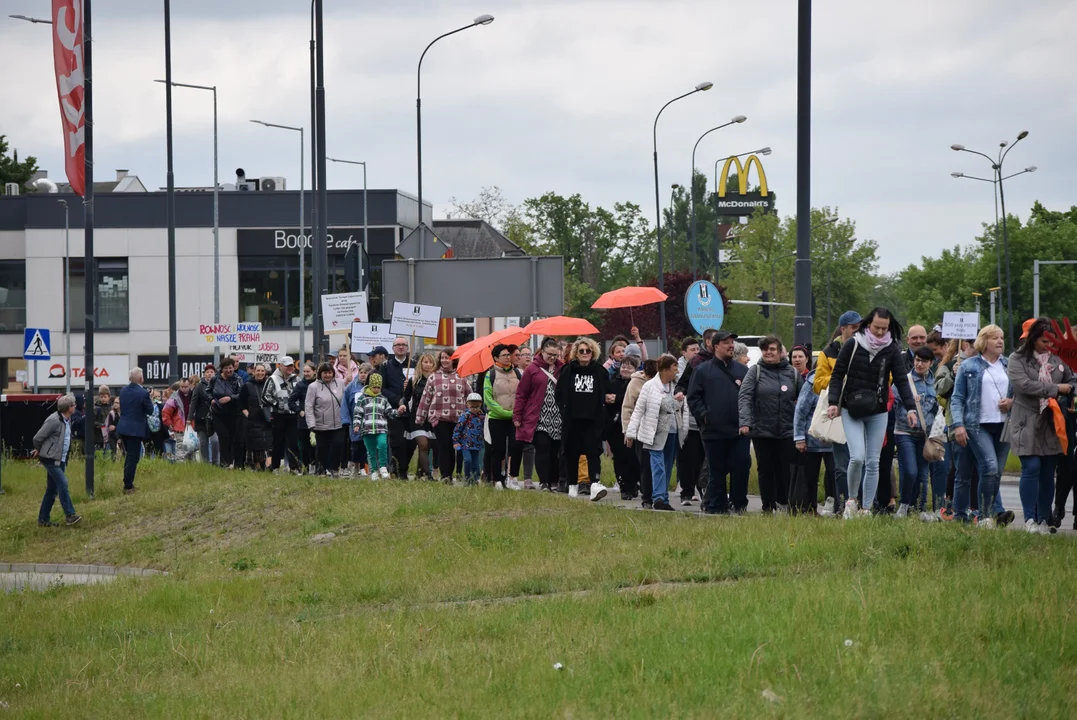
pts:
[712, 400]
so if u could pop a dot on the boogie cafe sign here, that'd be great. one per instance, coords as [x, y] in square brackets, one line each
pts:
[288, 241]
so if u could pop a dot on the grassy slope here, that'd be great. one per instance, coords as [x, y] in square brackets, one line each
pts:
[436, 601]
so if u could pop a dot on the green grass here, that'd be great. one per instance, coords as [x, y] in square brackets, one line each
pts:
[444, 602]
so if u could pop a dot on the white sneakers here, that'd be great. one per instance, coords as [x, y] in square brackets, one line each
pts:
[1031, 527]
[499, 485]
[363, 473]
[827, 509]
[598, 491]
[850, 509]
[573, 491]
[902, 511]
[513, 484]
[616, 487]
[384, 472]
[987, 524]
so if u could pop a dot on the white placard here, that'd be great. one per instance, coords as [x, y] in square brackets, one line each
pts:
[340, 310]
[111, 370]
[960, 325]
[367, 336]
[231, 333]
[419, 320]
[265, 352]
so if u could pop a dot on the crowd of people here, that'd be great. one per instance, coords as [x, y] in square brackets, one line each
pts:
[950, 411]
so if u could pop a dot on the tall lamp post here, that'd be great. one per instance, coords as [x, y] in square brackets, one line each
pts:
[702, 87]
[67, 291]
[717, 231]
[216, 217]
[692, 188]
[480, 20]
[302, 252]
[996, 165]
[366, 244]
[994, 183]
[672, 238]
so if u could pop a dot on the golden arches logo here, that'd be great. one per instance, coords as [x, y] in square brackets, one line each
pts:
[742, 175]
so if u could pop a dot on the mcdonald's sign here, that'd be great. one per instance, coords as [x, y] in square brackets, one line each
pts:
[743, 202]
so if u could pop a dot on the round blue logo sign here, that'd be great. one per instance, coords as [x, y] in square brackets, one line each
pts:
[704, 306]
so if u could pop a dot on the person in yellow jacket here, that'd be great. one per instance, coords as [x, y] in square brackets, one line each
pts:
[847, 325]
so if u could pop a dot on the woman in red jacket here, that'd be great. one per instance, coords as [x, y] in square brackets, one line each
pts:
[536, 415]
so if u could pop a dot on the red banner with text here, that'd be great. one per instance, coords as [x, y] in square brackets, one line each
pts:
[71, 87]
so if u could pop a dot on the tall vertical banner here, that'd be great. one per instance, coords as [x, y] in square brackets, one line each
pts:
[71, 87]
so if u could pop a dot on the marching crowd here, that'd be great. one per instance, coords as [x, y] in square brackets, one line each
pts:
[950, 411]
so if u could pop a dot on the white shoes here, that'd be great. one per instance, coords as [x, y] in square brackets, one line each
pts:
[513, 484]
[902, 511]
[384, 472]
[499, 485]
[573, 491]
[616, 487]
[850, 509]
[929, 517]
[598, 491]
[1031, 527]
[363, 473]
[987, 524]
[828, 508]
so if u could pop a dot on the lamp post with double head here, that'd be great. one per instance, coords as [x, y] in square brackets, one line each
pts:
[702, 87]
[302, 254]
[692, 189]
[996, 165]
[480, 20]
[366, 244]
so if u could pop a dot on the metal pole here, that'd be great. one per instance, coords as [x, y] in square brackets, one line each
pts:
[170, 205]
[1006, 252]
[994, 293]
[321, 250]
[802, 322]
[717, 233]
[216, 237]
[419, 149]
[90, 268]
[998, 245]
[658, 233]
[302, 263]
[313, 176]
[363, 280]
[67, 293]
[774, 296]
[1035, 290]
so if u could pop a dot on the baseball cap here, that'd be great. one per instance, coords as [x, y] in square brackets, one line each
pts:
[849, 317]
[474, 397]
[379, 350]
[287, 360]
[1026, 326]
[723, 335]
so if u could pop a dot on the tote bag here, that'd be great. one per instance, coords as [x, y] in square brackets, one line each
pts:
[824, 428]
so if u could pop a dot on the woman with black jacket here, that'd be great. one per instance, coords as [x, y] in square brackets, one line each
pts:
[257, 431]
[625, 464]
[296, 401]
[868, 364]
[583, 391]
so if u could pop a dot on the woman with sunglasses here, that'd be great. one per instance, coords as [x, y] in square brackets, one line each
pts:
[582, 394]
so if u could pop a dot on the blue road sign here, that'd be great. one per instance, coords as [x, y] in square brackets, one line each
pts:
[704, 306]
[36, 344]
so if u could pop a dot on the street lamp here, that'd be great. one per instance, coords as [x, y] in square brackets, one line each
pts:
[692, 186]
[366, 245]
[480, 20]
[996, 165]
[302, 252]
[701, 87]
[717, 230]
[33, 20]
[216, 217]
[673, 238]
[67, 291]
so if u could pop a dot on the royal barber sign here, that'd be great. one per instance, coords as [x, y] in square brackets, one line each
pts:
[70, 86]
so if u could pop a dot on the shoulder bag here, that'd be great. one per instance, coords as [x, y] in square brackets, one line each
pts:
[823, 427]
[934, 446]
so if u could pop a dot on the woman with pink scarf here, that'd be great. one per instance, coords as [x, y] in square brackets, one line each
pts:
[1040, 380]
[867, 365]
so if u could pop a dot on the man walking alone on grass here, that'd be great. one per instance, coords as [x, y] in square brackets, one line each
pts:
[52, 444]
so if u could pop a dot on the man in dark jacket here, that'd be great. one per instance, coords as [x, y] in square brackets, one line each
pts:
[712, 400]
[135, 408]
[297, 404]
[200, 403]
[225, 413]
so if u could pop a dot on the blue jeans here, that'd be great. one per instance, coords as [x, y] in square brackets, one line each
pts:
[662, 468]
[864, 438]
[986, 448]
[56, 486]
[914, 469]
[472, 464]
[1037, 487]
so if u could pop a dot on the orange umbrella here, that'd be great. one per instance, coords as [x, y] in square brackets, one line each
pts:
[629, 297]
[474, 357]
[561, 326]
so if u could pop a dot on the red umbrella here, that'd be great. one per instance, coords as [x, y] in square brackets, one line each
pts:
[629, 297]
[474, 357]
[561, 325]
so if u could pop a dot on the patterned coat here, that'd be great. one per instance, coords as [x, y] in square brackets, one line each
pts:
[444, 399]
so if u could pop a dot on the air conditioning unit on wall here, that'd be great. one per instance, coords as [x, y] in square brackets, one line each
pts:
[271, 183]
[11, 188]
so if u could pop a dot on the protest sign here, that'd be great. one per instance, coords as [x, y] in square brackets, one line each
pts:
[231, 333]
[340, 310]
[416, 320]
[367, 336]
[960, 325]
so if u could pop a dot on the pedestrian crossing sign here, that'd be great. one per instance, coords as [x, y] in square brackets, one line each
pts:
[36, 344]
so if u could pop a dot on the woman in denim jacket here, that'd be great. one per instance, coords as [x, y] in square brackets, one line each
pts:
[813, 452]
[915, 470]
[980, 405]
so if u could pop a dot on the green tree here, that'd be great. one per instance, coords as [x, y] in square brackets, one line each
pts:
[13, 171]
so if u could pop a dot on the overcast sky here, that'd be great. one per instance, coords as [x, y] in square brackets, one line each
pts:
[561, 96]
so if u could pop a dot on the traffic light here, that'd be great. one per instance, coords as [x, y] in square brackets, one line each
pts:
[764, 309]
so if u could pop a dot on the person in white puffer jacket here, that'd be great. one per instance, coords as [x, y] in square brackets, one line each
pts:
[656, 422]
